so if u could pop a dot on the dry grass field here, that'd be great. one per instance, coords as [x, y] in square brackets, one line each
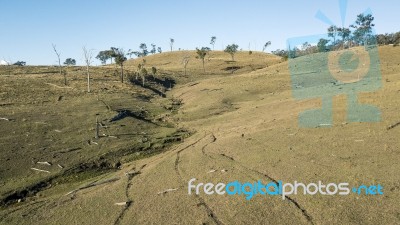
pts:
[235, 121]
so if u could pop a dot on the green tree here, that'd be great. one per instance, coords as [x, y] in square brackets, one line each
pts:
[333, 32]
[201, 54]
[322, 45]
[130, 53]
[159, 50]
[363, 26]
[153, 49]
[143, 47]
[103, 56]
[382, 39]
[119, 56]
[344, 33]
[266, 45]
[232, 49]
[70, 62]
[171, 43]
[20, 63]
[213, 40]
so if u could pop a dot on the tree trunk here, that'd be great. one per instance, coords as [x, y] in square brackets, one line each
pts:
[365, 42]
[97, 129]
[204, 69]
[65, 78]
[88, 78]
[60, 68]
[122, 73]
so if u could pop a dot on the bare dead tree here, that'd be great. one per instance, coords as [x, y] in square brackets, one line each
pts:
[143, 74]
[88, 55]
[59, 63]
[185, 62]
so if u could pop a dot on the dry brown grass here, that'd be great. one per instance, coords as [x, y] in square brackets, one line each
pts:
[247, 126]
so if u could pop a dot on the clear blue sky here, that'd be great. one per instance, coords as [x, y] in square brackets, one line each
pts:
[28, 28]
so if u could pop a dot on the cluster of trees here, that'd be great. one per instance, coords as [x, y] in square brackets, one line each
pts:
[20, 63]
[106, 55]
[358, 34]
[388, 39]
[144, 51]
[204, 51]
[119, 57]
[70, 62]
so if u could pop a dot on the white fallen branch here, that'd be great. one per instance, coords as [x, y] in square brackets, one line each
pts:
[211, 171]
[60, 166]
[40, 122]
[168, 190]
[54, 85]
[121, 203]
[3, 118]
[40, 170]
[44, 163]
[325, 124]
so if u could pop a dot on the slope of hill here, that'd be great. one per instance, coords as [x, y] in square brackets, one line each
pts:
[246, 130]
[216, 63]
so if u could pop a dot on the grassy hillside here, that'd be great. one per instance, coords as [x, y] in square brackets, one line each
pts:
[244, 127]
[217, 63]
